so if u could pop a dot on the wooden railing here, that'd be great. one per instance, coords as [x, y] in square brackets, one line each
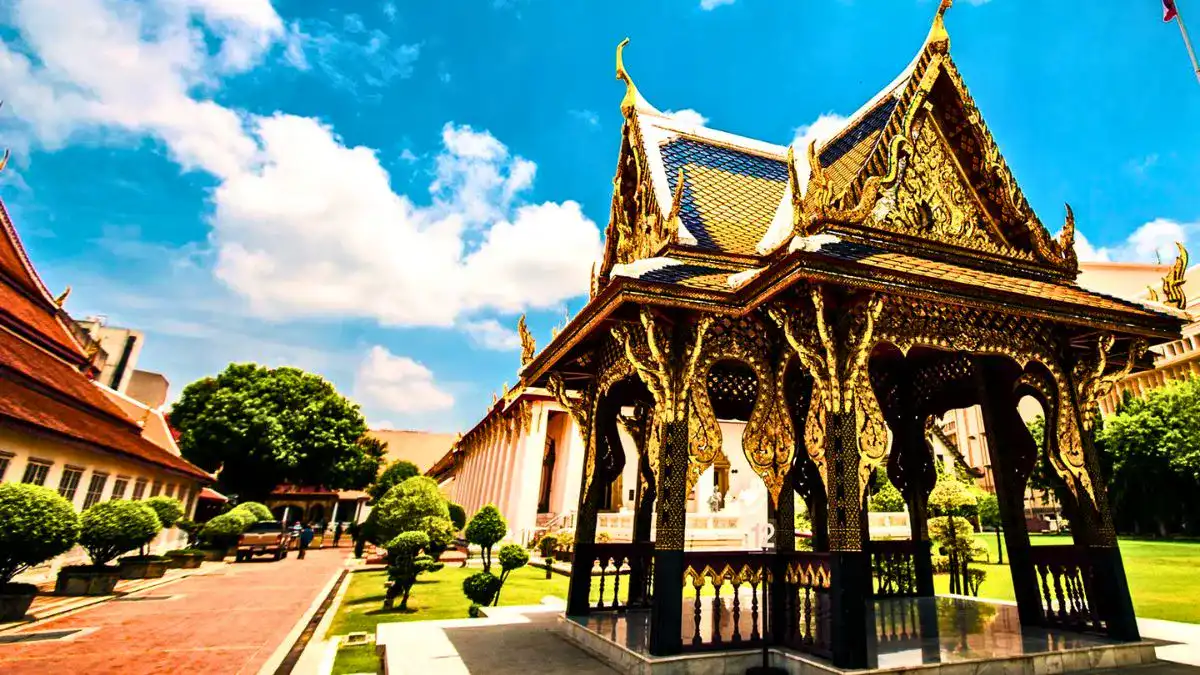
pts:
[621, 576]
[1064, 575]
[893, 568]
[804, 623]
[735, 615]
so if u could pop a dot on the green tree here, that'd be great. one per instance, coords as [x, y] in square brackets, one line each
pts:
[409, 507]
[268, 426]
[458, 516]
[512, 557]
[886, 498]
[486, 529]
[1152, 445]
[396, 473]
[256, 509]
[989, 510]
[406, 561]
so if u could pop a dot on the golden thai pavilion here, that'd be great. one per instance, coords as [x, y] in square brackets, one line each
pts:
[838, 298]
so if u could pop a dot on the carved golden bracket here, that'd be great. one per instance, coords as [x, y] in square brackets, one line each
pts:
[838, 366]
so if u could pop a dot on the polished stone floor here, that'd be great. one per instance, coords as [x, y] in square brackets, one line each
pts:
[909, 631]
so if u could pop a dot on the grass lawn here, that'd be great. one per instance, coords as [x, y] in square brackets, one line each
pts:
[1161, 575]
[435, 596]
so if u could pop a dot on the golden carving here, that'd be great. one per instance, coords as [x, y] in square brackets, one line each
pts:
[1172, 283]
[1092, 382]
[528, 346]
[838, 366]
[582, 410]
[668, 375]
[62, 299]
[817, 207]
[768, 439]
[629, 102]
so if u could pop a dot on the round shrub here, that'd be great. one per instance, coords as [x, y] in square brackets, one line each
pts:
[481, 587]
[223, 530]
[168, 509]
[247, 516]
[512, 557]
[458, 516]
[38, 524]
[547, 545]
[111, 528]
[260, 511]
[441, 535]
[405, 506]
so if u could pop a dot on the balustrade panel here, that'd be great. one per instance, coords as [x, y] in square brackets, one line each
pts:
[804, 583]
[893, 568]
[1064, 575]
[621, 576]
[725, 599]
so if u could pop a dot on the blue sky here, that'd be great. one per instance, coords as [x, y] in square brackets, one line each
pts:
[376, 191]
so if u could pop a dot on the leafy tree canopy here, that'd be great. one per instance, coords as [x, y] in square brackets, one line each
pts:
[269, 426]
[1153, 447]
[396, 473]
[486, 529]
[886, 498]
[406, 507]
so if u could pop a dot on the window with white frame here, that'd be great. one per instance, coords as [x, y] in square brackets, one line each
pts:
[95, 489]
[139, 488]
[35, 472]
[69, 483]
[156, 488]
[120, 485]
[5, 460]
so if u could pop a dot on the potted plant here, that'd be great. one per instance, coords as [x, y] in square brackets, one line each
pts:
[221, 533]
[144, 566]
[107, 530]
[185, 558]
[566, 541]
[546, 546]
[38, 525]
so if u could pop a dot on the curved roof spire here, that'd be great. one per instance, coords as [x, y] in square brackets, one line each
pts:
[633, 100]
[938, 35]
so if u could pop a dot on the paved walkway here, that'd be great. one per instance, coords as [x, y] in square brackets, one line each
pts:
[510, 641]
[231, 621]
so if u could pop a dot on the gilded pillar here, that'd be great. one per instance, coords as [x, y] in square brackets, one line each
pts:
[846, 438]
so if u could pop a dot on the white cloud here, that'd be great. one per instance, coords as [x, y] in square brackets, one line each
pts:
[351, 55]
[490, 334]
[820, 130]
[1152, 242]
[687, 116]
[303, 225]
[399, 384]
[707, 5]
[588, 117]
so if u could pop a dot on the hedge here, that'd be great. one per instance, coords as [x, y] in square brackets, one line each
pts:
[38, 524]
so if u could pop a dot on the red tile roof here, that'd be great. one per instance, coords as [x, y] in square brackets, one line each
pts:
[24, 404]
[39, 388]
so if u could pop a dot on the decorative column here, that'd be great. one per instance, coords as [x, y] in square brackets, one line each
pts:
[665, 357]
[1013, 454]
[846, 437]
[583, 411]
[1078, 463]
[643, 505]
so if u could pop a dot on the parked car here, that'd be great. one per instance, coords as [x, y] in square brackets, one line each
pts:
[268, 537]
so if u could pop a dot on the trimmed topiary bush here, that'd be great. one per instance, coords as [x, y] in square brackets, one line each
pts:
[405, 562]
[246, 516]
[511, 557]
[547, 544]
[404, 508]
[486, 529]
[481, 588]
[441, 535]
[458, 516]
[111, 528]
[260, 511]
[168, 509]
[36, 524]
[223, 530]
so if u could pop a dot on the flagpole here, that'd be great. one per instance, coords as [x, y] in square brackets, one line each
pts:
[1187, 41]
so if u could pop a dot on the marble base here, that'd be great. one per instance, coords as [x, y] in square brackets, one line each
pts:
[970, 638]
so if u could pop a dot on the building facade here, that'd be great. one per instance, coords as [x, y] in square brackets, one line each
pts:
[61, 429]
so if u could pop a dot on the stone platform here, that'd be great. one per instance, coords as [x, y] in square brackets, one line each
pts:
[931, 636]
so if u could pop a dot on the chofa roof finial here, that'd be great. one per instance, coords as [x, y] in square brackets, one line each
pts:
[1172, 284]
[938, 35]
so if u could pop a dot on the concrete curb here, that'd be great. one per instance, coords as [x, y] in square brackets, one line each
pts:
[281, 652]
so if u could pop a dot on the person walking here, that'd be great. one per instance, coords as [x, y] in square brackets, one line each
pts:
[337, 534]
[306, 537]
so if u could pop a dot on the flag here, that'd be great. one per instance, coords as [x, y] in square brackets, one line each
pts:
[1169, 11]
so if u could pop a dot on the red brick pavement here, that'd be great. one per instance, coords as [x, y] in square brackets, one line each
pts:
[228, 622]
